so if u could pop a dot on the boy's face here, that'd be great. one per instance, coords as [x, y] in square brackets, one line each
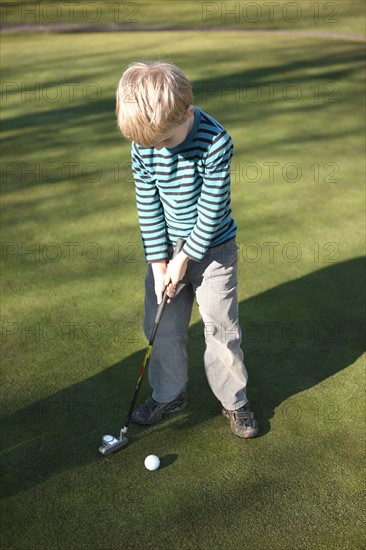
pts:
[178, 134]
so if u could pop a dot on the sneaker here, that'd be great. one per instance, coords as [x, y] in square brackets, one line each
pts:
[151, 412]
[242, 421]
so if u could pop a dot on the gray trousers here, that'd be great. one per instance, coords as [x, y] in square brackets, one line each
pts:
[213, 282]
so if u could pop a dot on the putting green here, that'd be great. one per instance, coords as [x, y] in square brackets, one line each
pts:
[72, 301]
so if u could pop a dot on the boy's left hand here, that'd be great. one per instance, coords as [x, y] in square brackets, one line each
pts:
[176, 269]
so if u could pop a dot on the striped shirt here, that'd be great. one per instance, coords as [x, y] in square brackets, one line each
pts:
[185, 191]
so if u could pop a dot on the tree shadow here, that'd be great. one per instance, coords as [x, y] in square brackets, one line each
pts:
[303, 332]
[295, 336]
[229, 97]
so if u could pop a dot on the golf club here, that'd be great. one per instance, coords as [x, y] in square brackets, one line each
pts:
[109, 442]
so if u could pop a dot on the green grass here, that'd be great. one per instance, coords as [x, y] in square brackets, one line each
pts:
[340, 16]
[72, 310]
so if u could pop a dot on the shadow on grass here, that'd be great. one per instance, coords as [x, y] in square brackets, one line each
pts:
[296, 335]
[167, 460]
[228, 97]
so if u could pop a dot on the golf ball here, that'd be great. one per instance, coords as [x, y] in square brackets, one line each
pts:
[152, 462]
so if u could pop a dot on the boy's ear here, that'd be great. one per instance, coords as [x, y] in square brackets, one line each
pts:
[190, 110]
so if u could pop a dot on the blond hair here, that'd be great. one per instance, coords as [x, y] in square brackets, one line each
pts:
[151, 99]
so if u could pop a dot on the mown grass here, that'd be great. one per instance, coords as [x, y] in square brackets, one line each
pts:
[72, 301]
[339, 16]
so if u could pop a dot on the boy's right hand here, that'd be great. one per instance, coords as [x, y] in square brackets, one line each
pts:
[159, 270]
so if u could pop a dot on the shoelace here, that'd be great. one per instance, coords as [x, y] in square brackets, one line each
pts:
[242, 414]
[150, 404]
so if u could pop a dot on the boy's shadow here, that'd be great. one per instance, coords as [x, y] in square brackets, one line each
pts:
[295, 336]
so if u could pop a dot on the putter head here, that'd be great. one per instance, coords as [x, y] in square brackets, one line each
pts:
[111, 444]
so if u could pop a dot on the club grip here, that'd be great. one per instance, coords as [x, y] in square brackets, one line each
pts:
[178, 247]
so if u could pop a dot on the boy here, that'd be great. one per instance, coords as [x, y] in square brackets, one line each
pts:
[181, 167]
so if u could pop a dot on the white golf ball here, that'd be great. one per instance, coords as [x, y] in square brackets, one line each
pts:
[152, 462]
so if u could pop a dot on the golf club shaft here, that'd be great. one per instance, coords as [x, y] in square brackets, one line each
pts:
[178, 247]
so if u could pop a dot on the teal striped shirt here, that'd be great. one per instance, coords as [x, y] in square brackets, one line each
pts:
[185, 191]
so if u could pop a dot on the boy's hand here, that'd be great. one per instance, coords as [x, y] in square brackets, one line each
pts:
[175, 272]
[159, 271]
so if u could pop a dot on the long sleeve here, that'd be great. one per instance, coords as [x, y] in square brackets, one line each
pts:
[213, 205]
[184, 191]
[150, 211]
